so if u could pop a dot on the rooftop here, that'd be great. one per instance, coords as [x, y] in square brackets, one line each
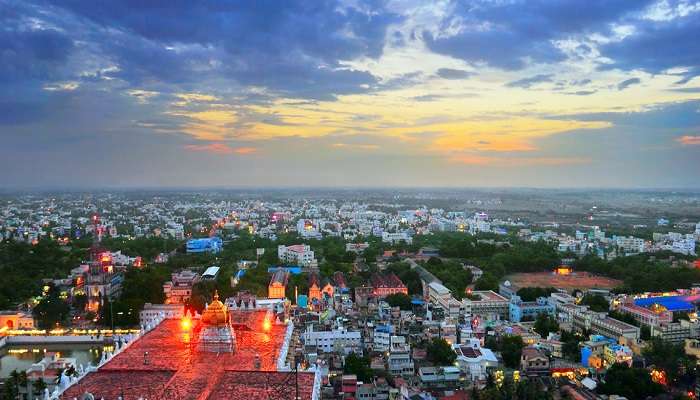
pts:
[164, 363]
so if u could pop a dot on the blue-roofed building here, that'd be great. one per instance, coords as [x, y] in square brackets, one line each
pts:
[205, 245]
[528, 310]
[292, 269]
[671, 303]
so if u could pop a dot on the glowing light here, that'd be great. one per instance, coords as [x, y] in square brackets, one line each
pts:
[186, 323]
[267, 325]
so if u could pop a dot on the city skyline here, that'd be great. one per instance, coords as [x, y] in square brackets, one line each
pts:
[350, 94]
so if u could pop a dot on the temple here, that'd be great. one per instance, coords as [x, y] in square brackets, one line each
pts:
[203, 359]
[217, 334]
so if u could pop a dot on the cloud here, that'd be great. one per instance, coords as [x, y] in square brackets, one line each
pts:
[658, 46]
[526, 83]
[582, 92]
[355, 146]
[689, 140]
[510, 35]
[627, 83]
[296, 48]
[505, 161]
[449, 73]
[219, 148]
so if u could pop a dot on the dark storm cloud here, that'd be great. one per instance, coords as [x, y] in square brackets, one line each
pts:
[526, 83]
[507, 34]
[656, 46]
[292, 47]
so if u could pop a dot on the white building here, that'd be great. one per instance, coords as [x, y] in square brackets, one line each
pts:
[399, 361]
[340, 340]
[474, 360]
[629, 244]
[299, 254]
[394, 238]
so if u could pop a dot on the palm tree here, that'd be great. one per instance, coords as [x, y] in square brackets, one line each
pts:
[38, 387]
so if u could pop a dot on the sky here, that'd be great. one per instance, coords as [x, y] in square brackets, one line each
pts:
[271, 93]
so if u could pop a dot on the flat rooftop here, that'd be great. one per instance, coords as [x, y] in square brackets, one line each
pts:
[175, 369]
[671, 303]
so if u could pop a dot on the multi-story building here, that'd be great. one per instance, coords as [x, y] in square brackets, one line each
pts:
[485, 304]
[528, 310]
[646, 316]
[599, 323]
[178, 290]
[676, 332]
[340, 340]
[299, 254]
[399, 361]
[629, 244]
[394, 238]
[381, 340]
[439, 377]
[385, 285]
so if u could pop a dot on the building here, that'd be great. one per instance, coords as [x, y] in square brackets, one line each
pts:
[278, 284]
[16, 320]
[385, 285]
[399, 362]
[210, 274]
[395, 238]
[167, 362]
[154, 311]
[356, 248]
[439, 377]
[204, 245]
[476, 362]
[617, 353]
[533, 362]
[178, 290]
[314, 288]
[338, 340]
[528, 310]
[299, 254]
[645, 315]
[381, 340]
[676, 332]
[582, 319]
[486, 304]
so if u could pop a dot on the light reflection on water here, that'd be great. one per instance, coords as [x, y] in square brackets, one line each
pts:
[22, 357]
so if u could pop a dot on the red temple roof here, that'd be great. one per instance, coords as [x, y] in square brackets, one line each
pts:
[174, 369]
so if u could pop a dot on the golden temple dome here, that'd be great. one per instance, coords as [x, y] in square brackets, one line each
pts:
[217, 313]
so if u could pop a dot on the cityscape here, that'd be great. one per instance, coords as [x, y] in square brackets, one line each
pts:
[350, 200]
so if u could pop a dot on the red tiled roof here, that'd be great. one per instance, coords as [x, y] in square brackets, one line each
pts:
[174, 369]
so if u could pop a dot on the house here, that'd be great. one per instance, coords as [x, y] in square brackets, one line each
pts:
[533, 362]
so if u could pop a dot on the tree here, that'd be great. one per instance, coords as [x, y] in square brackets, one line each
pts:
[511, 347]
[596, 302]
[358, 366]
[633, 383]
[570, 346]
[532, 293]
[544, 324]
[440, 352]
[486, 282]
[51, 310]
[670, 358]
[400, 300]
